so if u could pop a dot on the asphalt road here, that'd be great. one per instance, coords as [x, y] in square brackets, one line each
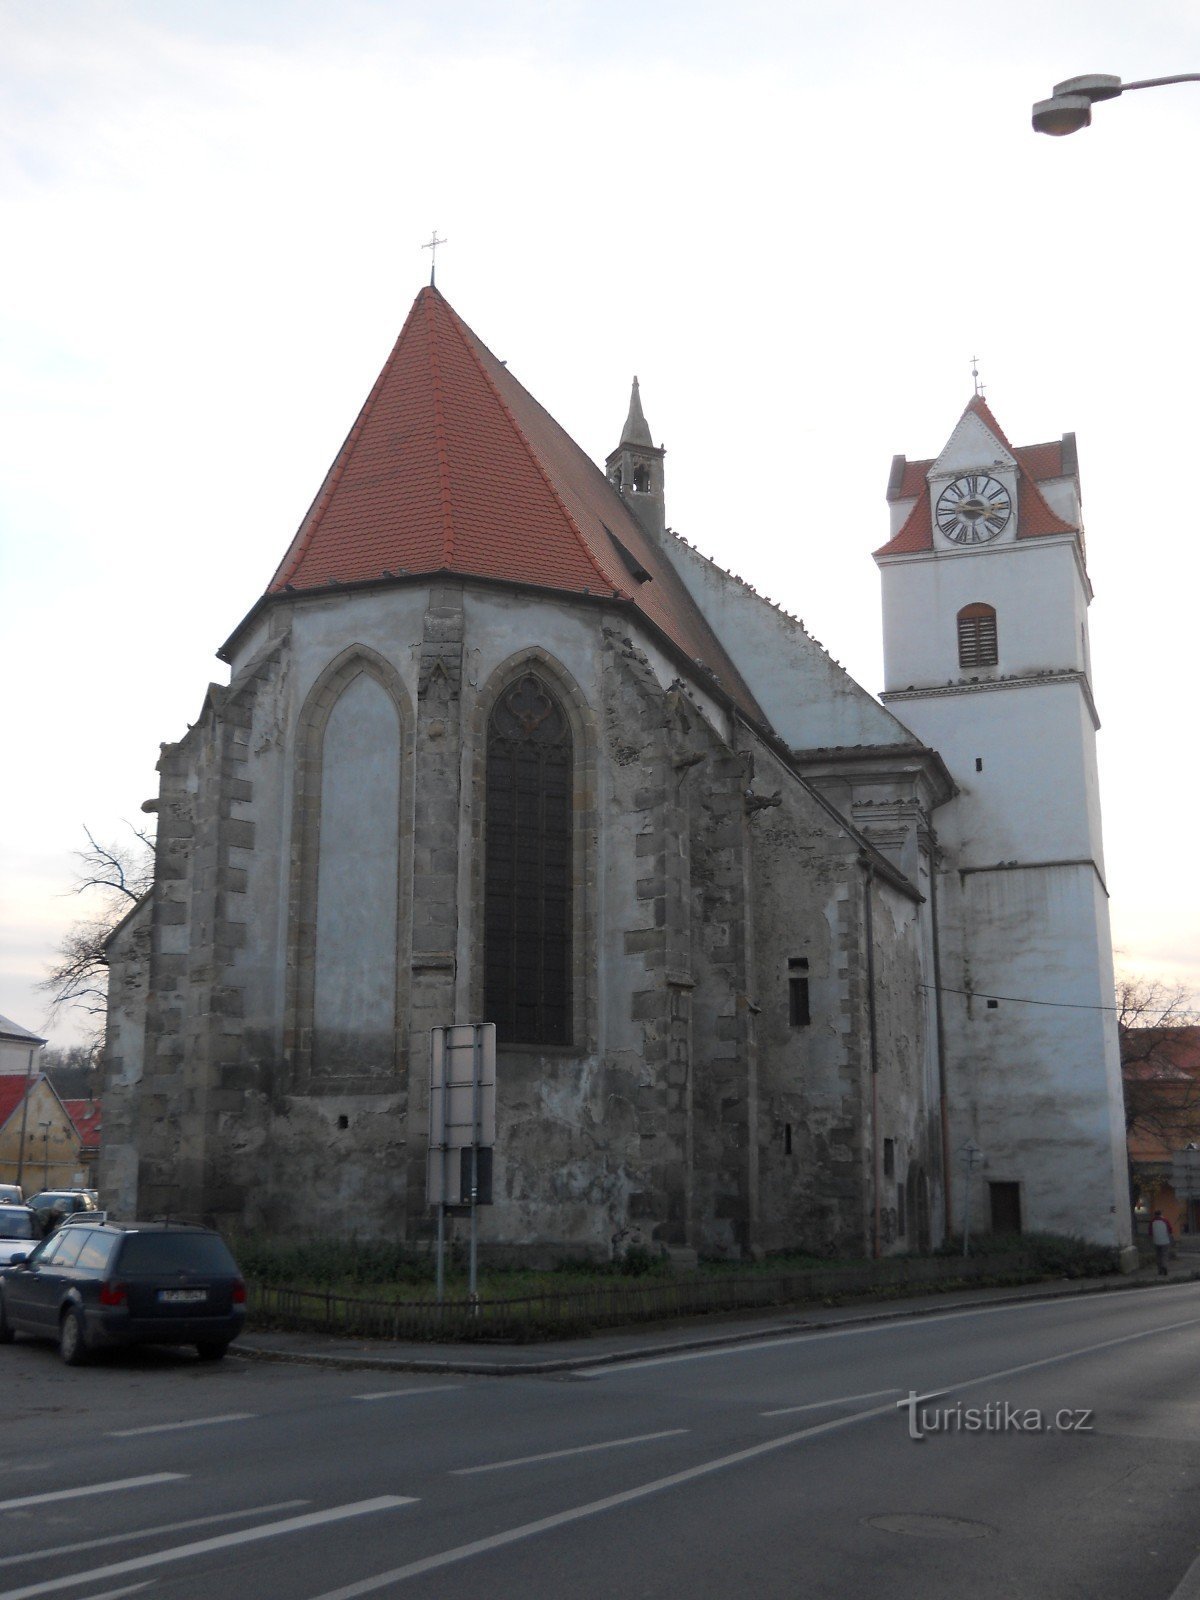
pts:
[777, 1469]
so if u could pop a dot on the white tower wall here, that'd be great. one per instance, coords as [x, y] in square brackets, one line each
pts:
[1031, 1055]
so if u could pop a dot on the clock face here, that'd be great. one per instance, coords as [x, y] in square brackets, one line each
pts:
[973, 510]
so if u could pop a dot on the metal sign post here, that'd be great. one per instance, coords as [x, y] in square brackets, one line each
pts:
[462, 1130]
[970, 1157]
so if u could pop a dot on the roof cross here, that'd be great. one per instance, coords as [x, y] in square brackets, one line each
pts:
[433, 246]
[975, 375]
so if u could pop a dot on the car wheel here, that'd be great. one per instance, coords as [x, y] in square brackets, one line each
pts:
[6, 1333]
[212, 1350]
[72, 1346]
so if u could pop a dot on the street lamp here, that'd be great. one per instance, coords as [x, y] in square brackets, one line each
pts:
[1070, 106]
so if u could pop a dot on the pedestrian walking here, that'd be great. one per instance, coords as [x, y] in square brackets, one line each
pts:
[1161, 1237]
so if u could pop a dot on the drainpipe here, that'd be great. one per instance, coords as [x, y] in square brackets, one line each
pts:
[943, 1102]
[873, 1046]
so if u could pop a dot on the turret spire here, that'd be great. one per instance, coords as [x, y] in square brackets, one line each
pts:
[637, 429]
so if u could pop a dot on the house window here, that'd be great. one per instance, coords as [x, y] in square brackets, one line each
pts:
[889, 1158]
[798, 1011]
[528, 867]
[977, 645]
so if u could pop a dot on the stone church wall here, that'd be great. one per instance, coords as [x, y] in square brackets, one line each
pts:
[318, 908]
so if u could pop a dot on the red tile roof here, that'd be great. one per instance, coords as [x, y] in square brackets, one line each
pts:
[1035, 463]
[12, 1089]
[87, 1117]
[453, 467]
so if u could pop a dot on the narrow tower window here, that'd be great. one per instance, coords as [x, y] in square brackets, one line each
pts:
[798, 1011]
[977, 644]
[641, 480]
[527, 867]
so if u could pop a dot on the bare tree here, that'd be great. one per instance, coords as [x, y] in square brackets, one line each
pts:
[113, 877]
[1159, 1030]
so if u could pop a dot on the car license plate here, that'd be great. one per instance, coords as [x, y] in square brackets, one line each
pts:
[182, 1297]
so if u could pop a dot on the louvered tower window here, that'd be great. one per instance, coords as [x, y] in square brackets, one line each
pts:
[977, 645]
[528, 867]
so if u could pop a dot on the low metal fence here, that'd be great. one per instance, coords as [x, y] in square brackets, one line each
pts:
[612, 1303]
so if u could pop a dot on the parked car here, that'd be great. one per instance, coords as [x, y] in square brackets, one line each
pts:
[96, 1284]
[19, 1231]
[52, 1205]
[11, 1195]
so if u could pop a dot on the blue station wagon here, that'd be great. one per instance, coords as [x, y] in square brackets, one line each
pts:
[95, 1284]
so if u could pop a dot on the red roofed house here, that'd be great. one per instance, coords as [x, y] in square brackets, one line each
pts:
[499, 746]
[1162, 1110]
[46, 1142]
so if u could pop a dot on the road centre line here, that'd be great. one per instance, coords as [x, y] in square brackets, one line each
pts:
[527, 1530]
[641, 1491]
[813, 1336]
[577, 1450]
[817, 1405]
[149, 1533]
[194, 1422]
[223, 1541]
[115, 1594]
[396, 1394]
[92, 1488]
[1188, 1587]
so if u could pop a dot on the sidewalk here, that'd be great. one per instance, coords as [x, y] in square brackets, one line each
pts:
[659, 1339]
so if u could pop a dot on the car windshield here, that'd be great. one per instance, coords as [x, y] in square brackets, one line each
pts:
[176, 1252]
[16, 1224]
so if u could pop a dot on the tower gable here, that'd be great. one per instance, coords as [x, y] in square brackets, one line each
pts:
[972, 446]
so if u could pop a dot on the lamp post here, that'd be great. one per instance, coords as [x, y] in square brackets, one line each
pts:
[1070, 106]
[45, 1127]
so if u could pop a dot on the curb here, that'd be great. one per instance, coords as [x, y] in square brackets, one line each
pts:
[568, 1364]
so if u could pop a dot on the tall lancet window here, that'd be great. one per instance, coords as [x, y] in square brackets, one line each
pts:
[527, 867]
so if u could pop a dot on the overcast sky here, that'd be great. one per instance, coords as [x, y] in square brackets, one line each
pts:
[796, 222]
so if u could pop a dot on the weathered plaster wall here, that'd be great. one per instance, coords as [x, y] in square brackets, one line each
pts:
[124, 1048]
[1031, 1076]
[332, 800]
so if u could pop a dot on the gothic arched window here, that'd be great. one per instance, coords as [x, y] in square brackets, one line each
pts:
[977, 643]
[528, 867]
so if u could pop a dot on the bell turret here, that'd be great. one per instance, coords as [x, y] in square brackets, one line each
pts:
[635, 468]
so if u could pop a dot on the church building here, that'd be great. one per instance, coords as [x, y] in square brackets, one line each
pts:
[771, 962]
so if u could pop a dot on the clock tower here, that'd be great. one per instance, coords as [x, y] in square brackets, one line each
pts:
[986, 659]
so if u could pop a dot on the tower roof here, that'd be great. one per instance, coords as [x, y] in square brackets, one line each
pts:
[1035, 464]
[636, 430]
[452, 467]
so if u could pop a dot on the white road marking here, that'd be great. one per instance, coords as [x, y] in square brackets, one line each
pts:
[1188, 1587]
[194, 1422]
[818, 1405]
[528, 1530]
[813, 1336]
[223, 1541]
[576, 1450]
[115, 1594]
[92, 1488]
[396, 1394]
[149, 1533]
